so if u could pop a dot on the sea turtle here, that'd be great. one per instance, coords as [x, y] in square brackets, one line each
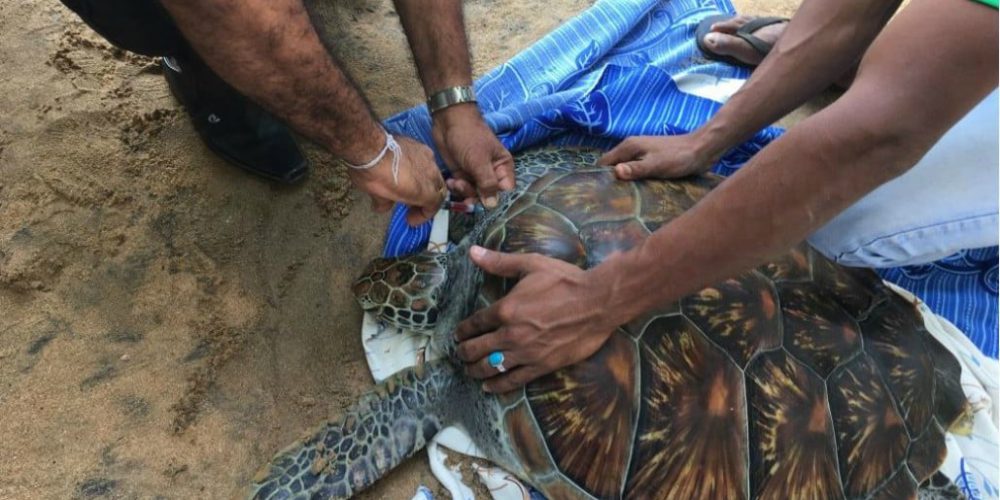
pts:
[798, 379]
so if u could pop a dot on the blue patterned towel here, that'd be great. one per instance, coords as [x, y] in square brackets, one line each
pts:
[626, 68]
[961, 288]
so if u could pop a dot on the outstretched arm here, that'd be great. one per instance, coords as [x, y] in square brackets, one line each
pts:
[437, 37]
[822, 42]
[269, 50]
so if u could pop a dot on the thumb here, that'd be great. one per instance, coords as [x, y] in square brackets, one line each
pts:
[486, 184]
[505, 172]
[507, 265]
[634, 170]
[624, 151]
[416, 216]
[462, 189]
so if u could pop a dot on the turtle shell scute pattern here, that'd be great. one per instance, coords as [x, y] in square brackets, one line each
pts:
[798, 379]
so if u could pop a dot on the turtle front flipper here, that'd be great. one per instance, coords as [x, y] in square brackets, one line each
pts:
[385, 427]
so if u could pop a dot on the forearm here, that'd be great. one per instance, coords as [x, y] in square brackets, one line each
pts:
[437, 37]
[784, 194]
[822, 42]
[269, 50]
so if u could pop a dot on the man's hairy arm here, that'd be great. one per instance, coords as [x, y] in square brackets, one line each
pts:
[437, 37]
[479, 163]
[269, 50]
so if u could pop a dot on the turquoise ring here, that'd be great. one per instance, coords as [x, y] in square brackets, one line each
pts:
[495, 359]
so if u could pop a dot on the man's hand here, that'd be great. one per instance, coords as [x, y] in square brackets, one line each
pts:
[658, 157]
[479, 164]
[420, 183]
[554, 317]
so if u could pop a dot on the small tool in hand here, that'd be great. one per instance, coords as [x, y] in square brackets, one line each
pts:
[465, 208]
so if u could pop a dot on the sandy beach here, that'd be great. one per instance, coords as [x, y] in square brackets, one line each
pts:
[167, 322]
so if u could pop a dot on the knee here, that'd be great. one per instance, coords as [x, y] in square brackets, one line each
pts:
[879, 253]
[866, 239]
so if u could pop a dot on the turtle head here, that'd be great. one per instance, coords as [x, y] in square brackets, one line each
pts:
[404, 291]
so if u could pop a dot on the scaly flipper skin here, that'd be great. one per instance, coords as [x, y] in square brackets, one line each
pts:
[385, 427]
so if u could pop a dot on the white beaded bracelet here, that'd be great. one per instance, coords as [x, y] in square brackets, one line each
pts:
[390, 145]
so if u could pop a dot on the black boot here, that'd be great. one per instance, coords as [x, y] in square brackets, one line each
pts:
[233, 126]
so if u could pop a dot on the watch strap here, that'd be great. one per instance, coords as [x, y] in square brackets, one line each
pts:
[450, 97]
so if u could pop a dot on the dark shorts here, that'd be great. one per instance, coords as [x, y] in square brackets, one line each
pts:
[140, 26]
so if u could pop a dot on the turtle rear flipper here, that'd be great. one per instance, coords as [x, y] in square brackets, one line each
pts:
[385, 427]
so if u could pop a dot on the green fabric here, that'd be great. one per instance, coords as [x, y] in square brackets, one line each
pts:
[991, 3]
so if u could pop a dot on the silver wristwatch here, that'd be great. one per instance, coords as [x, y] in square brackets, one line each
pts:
[450, 97]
